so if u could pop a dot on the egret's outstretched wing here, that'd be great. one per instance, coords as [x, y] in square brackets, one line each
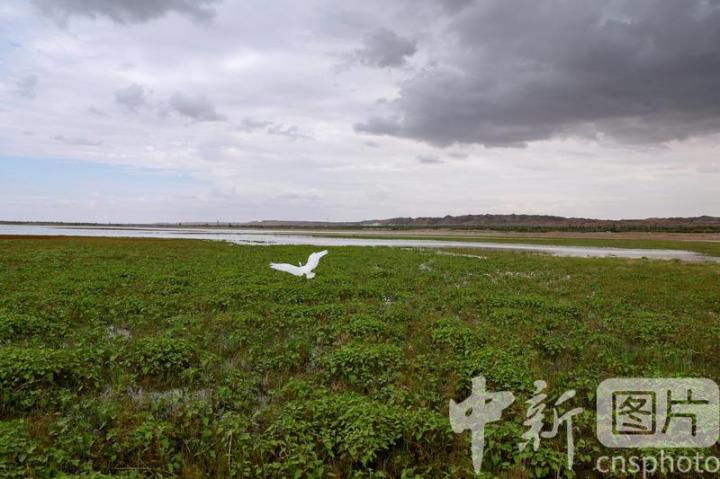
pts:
[314, 259]
[288, 268]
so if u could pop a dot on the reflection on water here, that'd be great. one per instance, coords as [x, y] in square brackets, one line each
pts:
[279, 237]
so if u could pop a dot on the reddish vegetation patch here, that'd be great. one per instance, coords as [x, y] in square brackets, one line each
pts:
[106, 239]
[27, 237]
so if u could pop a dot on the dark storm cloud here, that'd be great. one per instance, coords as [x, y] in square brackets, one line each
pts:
[455, 5]
[131, 98]
[385, 48]
[198, 108]
[634, 70]
[126, 11]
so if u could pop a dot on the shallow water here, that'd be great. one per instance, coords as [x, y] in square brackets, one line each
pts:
[280, 237]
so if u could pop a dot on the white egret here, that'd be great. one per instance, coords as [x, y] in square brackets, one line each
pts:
[307, 269]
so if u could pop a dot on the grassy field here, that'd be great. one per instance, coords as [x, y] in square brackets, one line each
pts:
[175, 358]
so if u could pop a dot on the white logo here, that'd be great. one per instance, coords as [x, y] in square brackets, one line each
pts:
[646, 412]
[481, 408]
[484, 407]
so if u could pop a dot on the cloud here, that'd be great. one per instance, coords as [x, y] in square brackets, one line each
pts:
[126, 11]
[309, 195]
[292, 132]
[26, 87]
[483, 73]
[638, 71]
[249, 125]
[74, 141]
[131, 98]
[385, 48]
[455, 5]
[429, 160]
[198, 108]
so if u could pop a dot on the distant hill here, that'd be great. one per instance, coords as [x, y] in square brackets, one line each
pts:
[519, 223]
[546, 221]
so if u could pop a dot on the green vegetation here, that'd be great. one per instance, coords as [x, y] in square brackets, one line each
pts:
[174, 358]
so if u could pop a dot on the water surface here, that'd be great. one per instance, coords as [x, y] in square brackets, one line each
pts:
[284, 237]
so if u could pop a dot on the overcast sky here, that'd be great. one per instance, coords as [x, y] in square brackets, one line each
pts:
[187, 110]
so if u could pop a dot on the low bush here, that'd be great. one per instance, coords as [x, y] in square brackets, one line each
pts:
[159, 357]
[351, 430]
[30, 376]
[15, 326]
[364, 366]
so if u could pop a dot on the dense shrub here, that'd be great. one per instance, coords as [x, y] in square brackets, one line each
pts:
[351, 429]
[365, 366]
[455, 335]
[15, 326]
[365, 326]
[29, 376]
[159, 356]
[19, 454]
[504, 369]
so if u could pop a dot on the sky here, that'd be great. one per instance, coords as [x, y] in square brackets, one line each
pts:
[225, 110]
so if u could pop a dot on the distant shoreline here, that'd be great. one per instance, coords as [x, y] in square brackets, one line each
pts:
[449, 225]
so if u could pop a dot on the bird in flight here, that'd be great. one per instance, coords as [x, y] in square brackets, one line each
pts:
[299, 270]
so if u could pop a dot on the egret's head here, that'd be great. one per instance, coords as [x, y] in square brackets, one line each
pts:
[310, 275]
